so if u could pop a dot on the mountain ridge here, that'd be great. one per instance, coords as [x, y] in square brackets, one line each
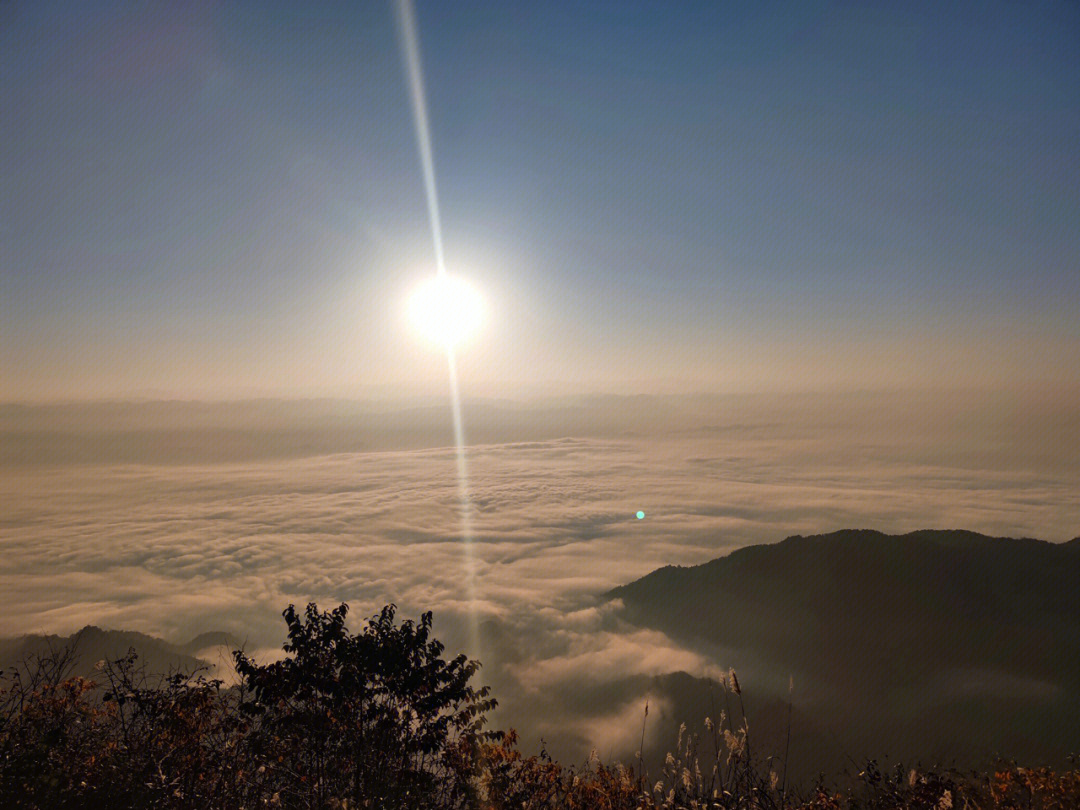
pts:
[92, 644]
[881, 630]
[862, 534]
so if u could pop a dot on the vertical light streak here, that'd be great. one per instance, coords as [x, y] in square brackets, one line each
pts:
[465, 505]
[410, 47]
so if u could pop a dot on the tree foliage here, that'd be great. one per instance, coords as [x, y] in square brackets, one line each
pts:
[377, 716]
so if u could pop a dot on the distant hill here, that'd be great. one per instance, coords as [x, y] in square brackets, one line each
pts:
[92, 644]
[948, 644]
[205, 641]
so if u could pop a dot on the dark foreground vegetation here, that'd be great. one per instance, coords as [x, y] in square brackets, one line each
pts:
[381, 719]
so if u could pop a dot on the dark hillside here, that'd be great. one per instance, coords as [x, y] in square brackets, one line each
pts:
[967, 643]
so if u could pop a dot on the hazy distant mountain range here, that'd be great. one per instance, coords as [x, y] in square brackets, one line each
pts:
[948, 645]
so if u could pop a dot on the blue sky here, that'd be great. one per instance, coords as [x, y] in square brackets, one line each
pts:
[220, 200]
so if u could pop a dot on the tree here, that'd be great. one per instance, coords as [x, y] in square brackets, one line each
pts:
[374, 719]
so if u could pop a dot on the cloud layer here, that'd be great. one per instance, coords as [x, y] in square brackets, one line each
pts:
[174, 549]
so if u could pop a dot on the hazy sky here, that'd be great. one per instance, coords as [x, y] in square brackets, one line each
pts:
[214, 200]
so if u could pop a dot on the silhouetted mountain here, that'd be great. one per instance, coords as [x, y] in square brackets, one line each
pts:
[941, 644]
[205, 641]
[92, 644]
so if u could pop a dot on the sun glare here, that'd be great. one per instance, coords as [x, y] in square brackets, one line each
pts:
[446, 310]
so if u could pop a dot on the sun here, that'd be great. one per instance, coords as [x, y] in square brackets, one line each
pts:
[446, 310]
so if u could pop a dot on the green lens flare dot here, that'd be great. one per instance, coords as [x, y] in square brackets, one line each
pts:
[640, 515]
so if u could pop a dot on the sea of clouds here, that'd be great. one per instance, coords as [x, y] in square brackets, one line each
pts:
[147, 537]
